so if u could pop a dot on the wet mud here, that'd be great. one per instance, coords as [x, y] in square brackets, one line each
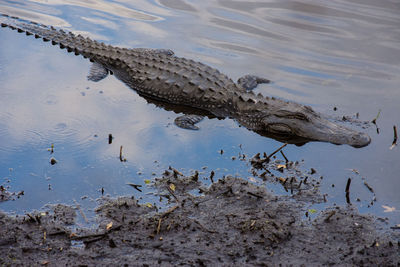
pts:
[231, 222]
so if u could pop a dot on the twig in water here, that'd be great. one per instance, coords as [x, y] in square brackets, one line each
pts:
[369, 187]
[374, 121]
[286, 159]
[110, 138]
[212, 176]
[394, 137]
[136, 186]
[348, 190]
[300, 184]
[276, 151]
[172, 193]
[377, 116]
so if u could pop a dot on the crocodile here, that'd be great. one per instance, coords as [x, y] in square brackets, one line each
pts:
[196, 89]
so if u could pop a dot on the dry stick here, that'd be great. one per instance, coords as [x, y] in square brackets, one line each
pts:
[120, 154]
[159, 226]
[348, 190]
[276, 151]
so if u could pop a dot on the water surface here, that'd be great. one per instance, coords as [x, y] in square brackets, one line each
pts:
[343, 54]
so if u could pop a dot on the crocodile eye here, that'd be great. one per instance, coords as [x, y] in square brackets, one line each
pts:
[300, 116]
[279, 128]
[291, 115]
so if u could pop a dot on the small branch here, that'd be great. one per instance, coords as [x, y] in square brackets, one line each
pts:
[276, 151]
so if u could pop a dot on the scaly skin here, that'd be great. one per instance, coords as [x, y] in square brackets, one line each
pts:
[161, 76]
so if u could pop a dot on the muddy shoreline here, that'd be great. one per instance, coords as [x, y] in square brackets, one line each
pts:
[231, 222]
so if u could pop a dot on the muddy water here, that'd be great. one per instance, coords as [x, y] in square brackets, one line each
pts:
[341, 55]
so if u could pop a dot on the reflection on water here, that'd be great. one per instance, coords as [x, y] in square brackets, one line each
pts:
[342, 54]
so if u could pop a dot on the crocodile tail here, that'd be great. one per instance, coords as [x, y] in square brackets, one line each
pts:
[66, 40]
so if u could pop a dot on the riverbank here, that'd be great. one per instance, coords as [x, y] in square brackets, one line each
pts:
[231, 222]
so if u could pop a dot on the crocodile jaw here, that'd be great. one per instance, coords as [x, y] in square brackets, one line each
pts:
[315, 128]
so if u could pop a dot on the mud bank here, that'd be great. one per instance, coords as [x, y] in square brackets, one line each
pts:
[230, 222]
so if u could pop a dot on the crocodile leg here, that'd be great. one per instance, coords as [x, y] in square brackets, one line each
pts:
[249, 82]
[97, 72]
[188, 121]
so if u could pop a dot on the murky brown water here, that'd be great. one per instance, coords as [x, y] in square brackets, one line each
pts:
[343, 54]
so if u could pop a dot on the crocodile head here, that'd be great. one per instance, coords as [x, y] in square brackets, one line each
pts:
[301, 124]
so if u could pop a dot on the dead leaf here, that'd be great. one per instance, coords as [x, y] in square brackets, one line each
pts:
[312, 211]
[172, 187]
[388, 209]
[281, 166]
[148, 205]
[109, 225]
